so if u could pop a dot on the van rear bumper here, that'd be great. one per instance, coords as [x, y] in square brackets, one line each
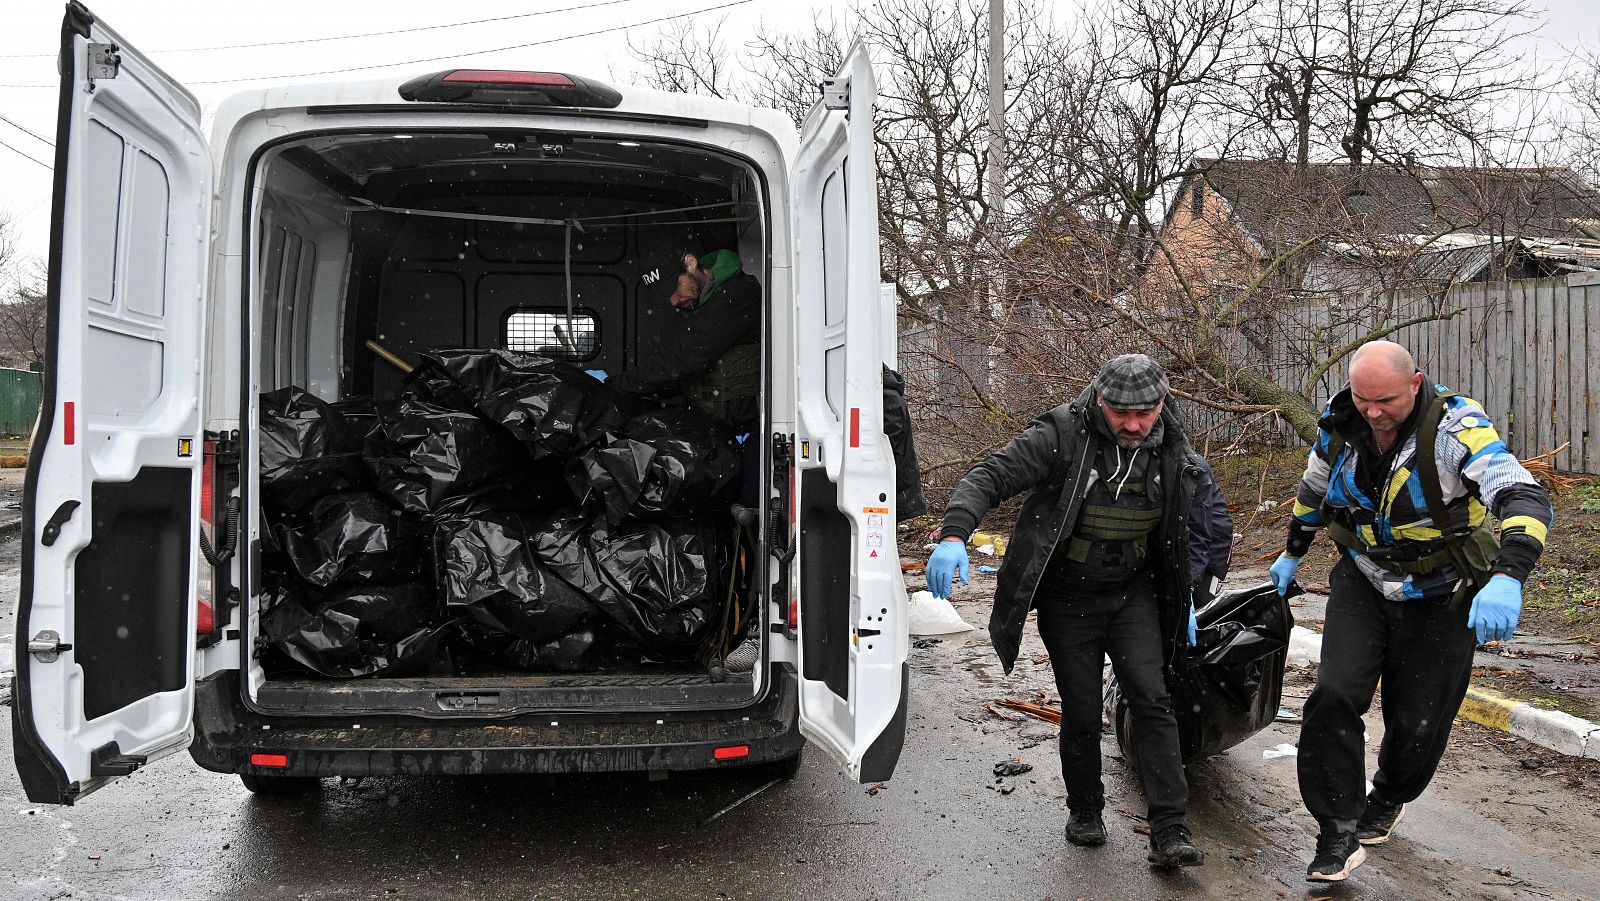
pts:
[227, 734]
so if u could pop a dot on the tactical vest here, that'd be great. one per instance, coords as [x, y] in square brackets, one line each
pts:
[735, 375]
[1110, 543]
[1471, 551]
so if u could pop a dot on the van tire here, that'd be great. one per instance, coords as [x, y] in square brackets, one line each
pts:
[270, 786]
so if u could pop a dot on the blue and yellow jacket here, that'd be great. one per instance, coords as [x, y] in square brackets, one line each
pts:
[1381, 499]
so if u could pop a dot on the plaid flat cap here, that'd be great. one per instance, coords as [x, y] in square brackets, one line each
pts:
[1131, 382]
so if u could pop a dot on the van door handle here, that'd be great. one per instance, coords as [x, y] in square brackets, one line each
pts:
[52, 529]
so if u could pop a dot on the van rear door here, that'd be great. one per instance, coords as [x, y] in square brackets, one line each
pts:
[852, 617]
[106, 612]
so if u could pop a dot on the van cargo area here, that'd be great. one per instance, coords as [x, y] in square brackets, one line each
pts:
[453, 515]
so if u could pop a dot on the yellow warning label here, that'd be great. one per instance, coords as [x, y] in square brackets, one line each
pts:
[874, 509]
[185, 447]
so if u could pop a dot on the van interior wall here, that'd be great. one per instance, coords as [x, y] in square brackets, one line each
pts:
[335, 273]
[424, 283]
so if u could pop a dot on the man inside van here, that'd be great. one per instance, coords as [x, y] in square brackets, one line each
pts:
[1101, 549]
[706, 344]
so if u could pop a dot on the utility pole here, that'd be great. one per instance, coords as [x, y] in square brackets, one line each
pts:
[995, 184]
[997, 111]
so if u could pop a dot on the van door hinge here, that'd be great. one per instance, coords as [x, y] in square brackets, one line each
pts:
[835, 93]
[47, 646]
[105, 60]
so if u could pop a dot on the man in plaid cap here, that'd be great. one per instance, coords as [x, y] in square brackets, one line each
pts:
[1102, 550]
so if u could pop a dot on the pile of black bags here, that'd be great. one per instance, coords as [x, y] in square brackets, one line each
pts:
[504, 507]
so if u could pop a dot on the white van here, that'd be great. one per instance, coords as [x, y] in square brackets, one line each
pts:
[188, 277]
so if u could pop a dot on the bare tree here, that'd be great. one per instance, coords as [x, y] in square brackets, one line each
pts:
[686, 59]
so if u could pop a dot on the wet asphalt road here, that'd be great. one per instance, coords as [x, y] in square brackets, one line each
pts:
[941, 829]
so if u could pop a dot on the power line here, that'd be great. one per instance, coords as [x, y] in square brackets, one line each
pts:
[25, 156]
[346, 37]
[27, 131]
[434, 59]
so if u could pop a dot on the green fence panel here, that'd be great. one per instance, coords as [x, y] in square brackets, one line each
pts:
[19, 401]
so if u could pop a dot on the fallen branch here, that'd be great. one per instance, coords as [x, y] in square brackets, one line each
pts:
[1037, 711]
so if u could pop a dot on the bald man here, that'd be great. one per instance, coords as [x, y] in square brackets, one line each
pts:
[1403, 476]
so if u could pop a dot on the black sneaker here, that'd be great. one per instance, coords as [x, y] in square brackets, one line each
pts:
[1171, 846]
[1085, 828]
[1377, 822]
[1338, 854]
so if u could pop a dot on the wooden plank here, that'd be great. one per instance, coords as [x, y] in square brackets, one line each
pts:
[1517, 364]
[1560, 372]
[1500, 379]
[1591, 364]
[1545, 338]
[1576, 376]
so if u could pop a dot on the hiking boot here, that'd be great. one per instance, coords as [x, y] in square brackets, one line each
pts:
[1171, 846]
[1338, 854]
[1377, 822]
[1085, 828]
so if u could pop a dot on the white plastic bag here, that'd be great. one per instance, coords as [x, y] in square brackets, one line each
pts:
[934, 616]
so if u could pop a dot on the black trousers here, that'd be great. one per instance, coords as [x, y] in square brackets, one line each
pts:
[1079, 632]
[1423, 652]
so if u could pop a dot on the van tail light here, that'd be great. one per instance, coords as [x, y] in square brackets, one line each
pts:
[731, 752]
[510, 88]
[205, 621]
[269, 760]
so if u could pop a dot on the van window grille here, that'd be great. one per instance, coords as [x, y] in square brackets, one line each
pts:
[540, 332]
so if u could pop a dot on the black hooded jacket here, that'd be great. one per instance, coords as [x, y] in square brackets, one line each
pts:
[1051, 460]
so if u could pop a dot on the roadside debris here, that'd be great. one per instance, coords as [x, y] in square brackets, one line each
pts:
[987, 569]
[1285, 715]
[1037, 711]
[921, 643]
[877, 787]
[1283, 750]
[934, 616]
[1012, 766]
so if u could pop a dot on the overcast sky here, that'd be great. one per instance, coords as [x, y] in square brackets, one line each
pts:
[160, 28]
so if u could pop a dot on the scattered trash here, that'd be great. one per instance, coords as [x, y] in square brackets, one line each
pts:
[988, 569]
[987, 550]
[1037, 711]
[1283, 750]
[1041, 658]
[934, 616]
[1012, 767]
[713, 818]
[1532, 763]
[922, 643]
[907, 566]
[877, 787]
[1285, 715]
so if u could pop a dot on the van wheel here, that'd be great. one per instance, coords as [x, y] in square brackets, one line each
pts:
[269, 786]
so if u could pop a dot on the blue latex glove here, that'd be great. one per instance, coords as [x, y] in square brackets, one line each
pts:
[946, 559]
[599, 375]
[1282, 572]
[1495, 609]
[1194, 624]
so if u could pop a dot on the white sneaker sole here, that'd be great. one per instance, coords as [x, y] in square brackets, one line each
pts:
[1355, 860]
[1380, 839]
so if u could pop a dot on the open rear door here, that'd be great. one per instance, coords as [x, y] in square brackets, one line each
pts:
[852, 616]
[105, 616]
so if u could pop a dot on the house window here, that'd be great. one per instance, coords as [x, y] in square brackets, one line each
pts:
[545, 332]
[1197, 202]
